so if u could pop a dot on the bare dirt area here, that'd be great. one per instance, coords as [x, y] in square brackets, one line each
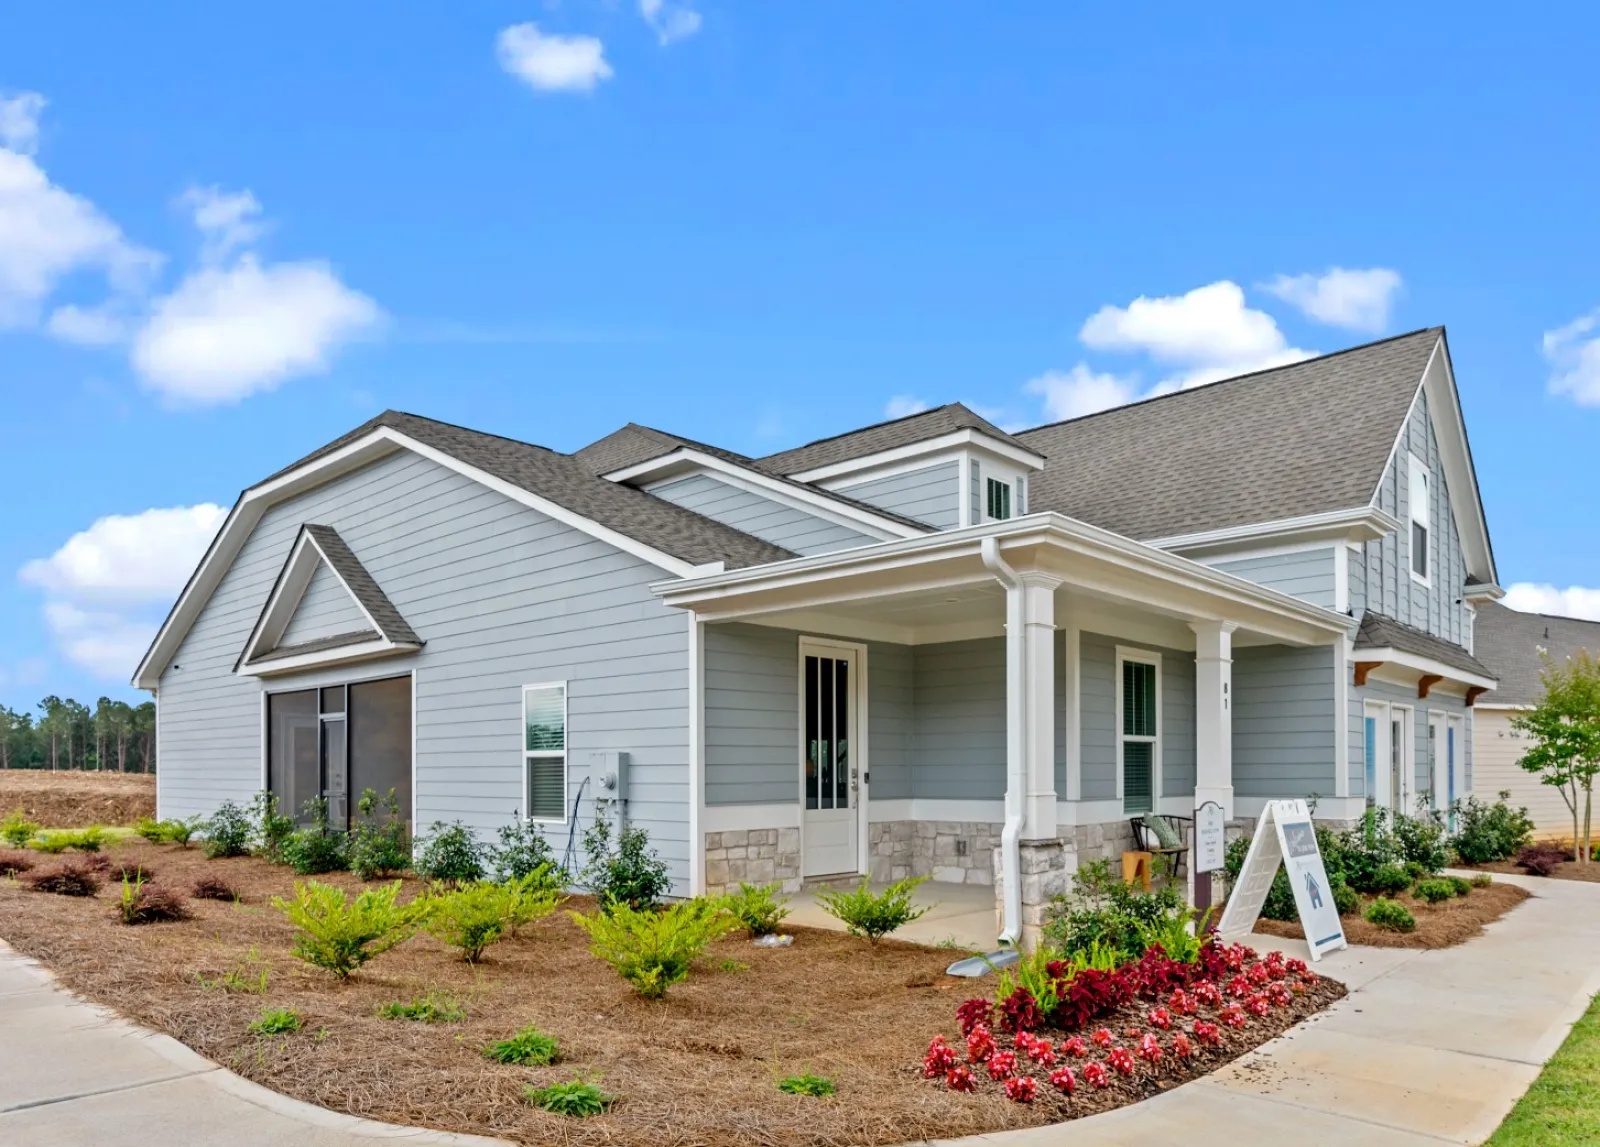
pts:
[1442, 925]
[699, 1067]
[77, 799]
[1569, 870]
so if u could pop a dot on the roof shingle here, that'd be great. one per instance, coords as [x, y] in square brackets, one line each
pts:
[366, 590]
[935, 423]
[1380, 632]
[1509, 642]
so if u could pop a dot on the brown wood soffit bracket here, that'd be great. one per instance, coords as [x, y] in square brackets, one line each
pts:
[1427, 682]
[1363, 668]
[1474, 692]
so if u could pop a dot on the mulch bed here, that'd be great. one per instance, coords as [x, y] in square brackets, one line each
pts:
[699, 1067]
[1569, 870]
[77, 799]
[1442, 925]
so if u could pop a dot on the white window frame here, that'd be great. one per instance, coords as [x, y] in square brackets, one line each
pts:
[1419, 513]
[1403, 801]
[991, 482]
[530, 755]
[1148, 657]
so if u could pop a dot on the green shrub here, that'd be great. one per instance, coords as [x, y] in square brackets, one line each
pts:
[51, 842]
[529, 1047]
[873, 915]
[534, 895]
[180, 831]
[379, 848]
[806, 1084]
[1482, 880]
[1104, 911]
[631, 873]
[1422, 840]
[1433, 891]
[1389, 880]
[82, 839]
[316, 849]
[150, 829]
[1346, 899]
[653, 950]
[272, 828]
[433, 1008]
[16, 829]
[522, 850]
[340, 936]
[1391, 916]
[1415, 871]
[451, 854]
[575, 1097]
[276, 1021]
[1368, 848]
[228, 832]
[1179, 935]
[1461, 884]
[757, 908]
[473, 916]
[144, 903]
[1486, 833]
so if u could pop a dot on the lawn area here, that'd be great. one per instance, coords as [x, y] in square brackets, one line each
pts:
[1562, 1108]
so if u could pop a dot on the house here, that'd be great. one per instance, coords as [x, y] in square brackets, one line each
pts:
[929, 646]
[1511, 645]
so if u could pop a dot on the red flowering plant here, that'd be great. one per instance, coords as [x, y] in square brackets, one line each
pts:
[1258, 974]
[1063, 1080]
[1239, 987]
[1121, 1060]
[1181, 1047]
[1257, 1004]
[974, 1013]
[1233, 1016]
[1206, 992]
[1161, 1018]
[1075, 1047]
[1022, 1089]
[1150, 1049]
[1278, 993]
[960, 1079]
[1183, 1003]
[1295, 967]
[1002, 1065]
[1096, 1075]
[980, 1044]
[1102, 1037]
[940, 1059]
[1207, 1033]
[1020, 1012]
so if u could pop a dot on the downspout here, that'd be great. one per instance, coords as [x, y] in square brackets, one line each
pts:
[1016, 775]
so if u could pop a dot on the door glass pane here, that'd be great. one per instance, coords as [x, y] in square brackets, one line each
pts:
[335, 774]
[825, 705]
[292, 773]
[380, 742]
[1136, 776]
[811, 731]
[1138, 699]
[841, 735]
[1372, 760]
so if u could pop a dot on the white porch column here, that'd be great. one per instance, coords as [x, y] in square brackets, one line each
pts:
[1213, 713]
[1030, 702]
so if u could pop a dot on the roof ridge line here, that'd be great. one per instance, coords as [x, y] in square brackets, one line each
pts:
[875, 426]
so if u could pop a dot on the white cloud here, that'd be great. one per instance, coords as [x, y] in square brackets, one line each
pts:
[552, 63]
[19, 122]
[903, 406]
[227, 220]
[1079, 391]
[227, 332]
[106, 585]
[1535, 597]
[1210, 327]
[87, 326]
[670, 21]
[1357, 299]
[1573, 352]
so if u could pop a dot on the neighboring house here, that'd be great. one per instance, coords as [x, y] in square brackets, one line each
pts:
[1511, 644]
[925, 647]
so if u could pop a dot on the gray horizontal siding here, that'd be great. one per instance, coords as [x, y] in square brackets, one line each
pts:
[1307, 574]
[752, 715]
[503, 597]
[891, 719]
[1283, 721]
[1097, 700]
[325, 610]
[766, 519]
[1395, 694]
[961, 720]
[929, 495]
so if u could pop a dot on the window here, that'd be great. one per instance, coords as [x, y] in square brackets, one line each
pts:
[544, 747]
[336, 742]
[1421, 520]
[997, 502]
[1138, 736]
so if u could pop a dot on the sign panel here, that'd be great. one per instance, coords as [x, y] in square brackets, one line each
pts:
[1284, 835]
[1210, 843]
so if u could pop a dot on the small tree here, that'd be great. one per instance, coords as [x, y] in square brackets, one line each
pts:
[1565, 729]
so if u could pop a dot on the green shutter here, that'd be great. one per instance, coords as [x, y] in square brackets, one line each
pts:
[1137, 791]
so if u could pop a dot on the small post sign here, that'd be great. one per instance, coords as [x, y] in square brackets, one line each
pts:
[1210, 844]
[1285, 835]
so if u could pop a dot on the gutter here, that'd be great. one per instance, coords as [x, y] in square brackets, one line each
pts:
[1016, 776]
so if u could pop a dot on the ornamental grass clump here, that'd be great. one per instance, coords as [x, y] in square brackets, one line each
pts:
[530, 1047]
[1391, 916]
[873, 915]
[340, 935]
[653, 950]
[757, 908]
[471, 917]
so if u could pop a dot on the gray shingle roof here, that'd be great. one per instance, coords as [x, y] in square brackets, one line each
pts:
[349, 568]
[1380, 632]
[935, 423]
[568, 482]
[1301, 439]
[318, 645]
[1509, 642]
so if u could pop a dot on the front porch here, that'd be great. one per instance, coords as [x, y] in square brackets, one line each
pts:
[987, 708]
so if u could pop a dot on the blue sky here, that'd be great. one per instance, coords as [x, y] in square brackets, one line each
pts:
[227, 236]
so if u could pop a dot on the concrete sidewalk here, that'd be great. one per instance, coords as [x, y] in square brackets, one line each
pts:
[1429, 1048]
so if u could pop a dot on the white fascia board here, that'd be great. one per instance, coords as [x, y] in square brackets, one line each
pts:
[1427, 665]
[384, 440]
[1032, 530]
[304, 560]
[687, 461]
[1355, 525]
[1476, 592]
[966, 437]
[340, 655]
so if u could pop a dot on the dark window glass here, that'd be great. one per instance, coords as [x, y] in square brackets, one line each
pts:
[825, 698]
[1138, 699]
[1419, 549]
[999, 496]
[841, 752]
[293, 772]
[336, 773]
[1137, 776]
[380, 741]
[812, 731]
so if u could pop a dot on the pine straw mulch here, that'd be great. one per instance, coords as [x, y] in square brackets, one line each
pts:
[699, 1067]
[1568, 870]
[1442, 925]
[71, 799]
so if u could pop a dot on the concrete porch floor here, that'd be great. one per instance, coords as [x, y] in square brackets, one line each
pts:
[959, 915]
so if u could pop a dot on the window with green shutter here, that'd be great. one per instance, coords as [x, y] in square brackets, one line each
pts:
[544, 749]
[1138, 735]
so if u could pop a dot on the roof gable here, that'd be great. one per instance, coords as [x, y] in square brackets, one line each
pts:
[1509, 643]
[898, 432]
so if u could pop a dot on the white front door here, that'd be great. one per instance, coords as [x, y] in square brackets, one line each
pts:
[1379, 767]
[830, 687]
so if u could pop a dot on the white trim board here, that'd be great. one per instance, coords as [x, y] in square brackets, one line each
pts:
[969, 437]
[1357, 524]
